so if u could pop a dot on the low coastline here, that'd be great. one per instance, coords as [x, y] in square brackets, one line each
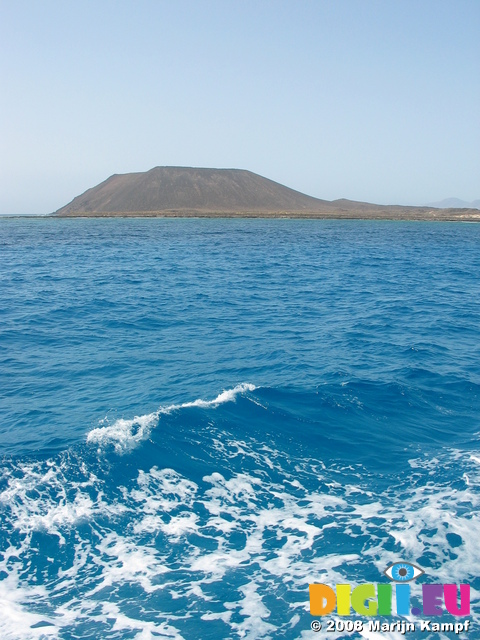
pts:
[393, 213]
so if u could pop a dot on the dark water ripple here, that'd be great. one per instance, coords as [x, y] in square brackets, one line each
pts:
[127, 314]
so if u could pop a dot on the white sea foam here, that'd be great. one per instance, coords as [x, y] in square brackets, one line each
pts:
[226, 549]
[16, 620]
[124, 434]
[254, 613]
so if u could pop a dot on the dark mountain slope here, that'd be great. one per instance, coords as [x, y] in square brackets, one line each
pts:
[188, 189]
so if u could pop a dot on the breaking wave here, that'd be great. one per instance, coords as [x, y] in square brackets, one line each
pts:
[125, 434]
[115, 546]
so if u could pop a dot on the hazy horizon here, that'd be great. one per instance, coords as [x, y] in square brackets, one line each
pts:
[364, 100]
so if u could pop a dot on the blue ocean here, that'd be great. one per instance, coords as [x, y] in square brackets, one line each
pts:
[201, 417]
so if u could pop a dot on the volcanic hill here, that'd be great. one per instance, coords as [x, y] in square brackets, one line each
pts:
[193, 192]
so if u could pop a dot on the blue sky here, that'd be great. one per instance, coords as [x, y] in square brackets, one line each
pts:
[374, 100]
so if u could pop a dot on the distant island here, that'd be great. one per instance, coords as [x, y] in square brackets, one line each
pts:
[455, 203]
[197, 192]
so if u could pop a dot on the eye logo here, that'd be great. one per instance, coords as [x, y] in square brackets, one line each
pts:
[403, 571]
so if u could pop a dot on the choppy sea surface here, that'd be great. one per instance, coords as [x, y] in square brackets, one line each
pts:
[201, 417]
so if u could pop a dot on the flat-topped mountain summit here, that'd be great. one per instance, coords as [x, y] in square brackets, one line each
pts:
[188, 192]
